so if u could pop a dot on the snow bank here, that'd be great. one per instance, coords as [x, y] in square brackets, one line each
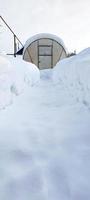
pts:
[23, 73]
[5, 82]
[74, 74]
[44, 141]
[14, 75]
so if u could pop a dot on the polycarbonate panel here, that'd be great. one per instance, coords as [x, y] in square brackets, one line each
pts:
[58, 52]
[32, 50]
[26, 56]
[45, 42]
[63, 55]
[44, 62]
[44, 50]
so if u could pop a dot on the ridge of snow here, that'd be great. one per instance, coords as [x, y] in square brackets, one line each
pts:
[74, 74]
[15, 74]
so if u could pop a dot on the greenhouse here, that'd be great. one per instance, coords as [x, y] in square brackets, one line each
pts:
[44, 50]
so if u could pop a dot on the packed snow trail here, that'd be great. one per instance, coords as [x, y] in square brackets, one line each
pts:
[44, 149]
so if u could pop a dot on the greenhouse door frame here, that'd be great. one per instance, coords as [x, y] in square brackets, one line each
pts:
[50, 48]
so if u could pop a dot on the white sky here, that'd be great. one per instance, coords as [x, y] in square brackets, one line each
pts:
[69, 19]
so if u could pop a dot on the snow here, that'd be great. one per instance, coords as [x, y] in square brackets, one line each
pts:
[44, 35]
[14, 74]
[45, 136]
[5, 82]
[73, 75]
[23, 73]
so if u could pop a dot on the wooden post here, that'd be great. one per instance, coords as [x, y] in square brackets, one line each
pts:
[14, 45]
[14, 36]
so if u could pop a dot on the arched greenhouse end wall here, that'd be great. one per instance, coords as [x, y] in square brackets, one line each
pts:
[44, 50]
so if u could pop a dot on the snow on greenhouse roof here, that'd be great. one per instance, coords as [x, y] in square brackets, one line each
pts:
[46, 36]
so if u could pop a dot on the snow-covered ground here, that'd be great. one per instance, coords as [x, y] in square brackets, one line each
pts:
[15, 74]
[45, 135]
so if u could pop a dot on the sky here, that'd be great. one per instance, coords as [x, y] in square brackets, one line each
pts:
[68, 19]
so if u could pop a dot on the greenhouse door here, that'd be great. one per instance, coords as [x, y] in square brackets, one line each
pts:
[45, 56]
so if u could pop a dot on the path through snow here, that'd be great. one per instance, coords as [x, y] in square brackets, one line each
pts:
[44, 149]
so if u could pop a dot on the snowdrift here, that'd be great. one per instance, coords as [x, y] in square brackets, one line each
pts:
[74, 74]
[23, 73]
[14, 75]
[45, 136]
[5, 82]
